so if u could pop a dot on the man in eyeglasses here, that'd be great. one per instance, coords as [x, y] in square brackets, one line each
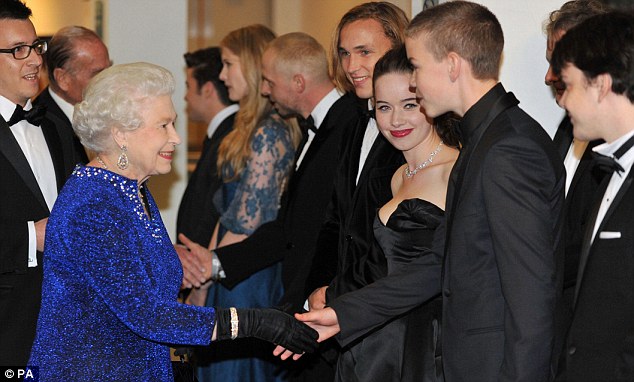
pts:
[75, 55]
[35, 159]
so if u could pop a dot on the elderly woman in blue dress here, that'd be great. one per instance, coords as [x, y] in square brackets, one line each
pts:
[111, 275]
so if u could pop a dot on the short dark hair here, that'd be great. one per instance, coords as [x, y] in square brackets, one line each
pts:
[602, 44]
[395, 61]
[14, 9]
[207, 64]
[466, 28]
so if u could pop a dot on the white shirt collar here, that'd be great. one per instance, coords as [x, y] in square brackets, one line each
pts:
[221, 116]
[322, 108]
[608, 149]
[7, 107]
[66, 107]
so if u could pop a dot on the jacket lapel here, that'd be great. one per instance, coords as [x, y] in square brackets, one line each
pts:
[10, 148]
[587, 238]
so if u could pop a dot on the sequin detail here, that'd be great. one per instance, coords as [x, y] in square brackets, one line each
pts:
[111, 277]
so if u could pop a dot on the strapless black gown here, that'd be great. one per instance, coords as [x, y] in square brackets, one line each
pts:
[408, 347]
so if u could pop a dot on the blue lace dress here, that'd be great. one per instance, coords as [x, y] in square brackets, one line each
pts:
[111, 279]
[246, 204]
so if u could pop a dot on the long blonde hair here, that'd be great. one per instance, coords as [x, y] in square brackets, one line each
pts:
[248, 43]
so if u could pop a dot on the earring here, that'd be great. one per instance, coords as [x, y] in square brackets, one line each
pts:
[123, 162]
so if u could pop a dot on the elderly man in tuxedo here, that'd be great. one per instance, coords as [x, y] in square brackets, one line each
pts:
[596, 63]
[35, 159]
[207, 103]
[75, 55]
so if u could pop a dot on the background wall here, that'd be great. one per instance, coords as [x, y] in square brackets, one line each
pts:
[156, 31]
[160, 31]
[51, 15]
[524, 63]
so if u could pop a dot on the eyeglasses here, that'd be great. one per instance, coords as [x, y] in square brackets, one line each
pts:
[21, 52]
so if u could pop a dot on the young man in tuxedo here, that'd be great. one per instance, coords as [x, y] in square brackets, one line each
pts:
[207, 103]
[75, 55]
[346, 255]
[35, 159]
[498, 249]
[596, 63]
[582, 178]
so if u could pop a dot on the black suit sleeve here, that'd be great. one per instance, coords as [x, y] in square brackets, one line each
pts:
[263, 248]
[324, 266]
[523, 221]
[361, 311]
[14, 246]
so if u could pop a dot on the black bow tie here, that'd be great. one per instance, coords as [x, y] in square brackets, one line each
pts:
[33, 116]
[307, 124]
[609, 164]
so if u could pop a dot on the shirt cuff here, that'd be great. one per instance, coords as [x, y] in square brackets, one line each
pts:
[217, 273]
[32, 245]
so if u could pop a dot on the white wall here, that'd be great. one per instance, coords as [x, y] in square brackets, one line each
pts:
[524, 63]
[51, 15]
[155, 31]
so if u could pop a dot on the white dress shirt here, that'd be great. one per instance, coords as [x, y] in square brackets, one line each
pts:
[572, 160]
[371, 132]
[219, 117]
[617, 179]
[31, 140]
[318, 114]
[67, 108]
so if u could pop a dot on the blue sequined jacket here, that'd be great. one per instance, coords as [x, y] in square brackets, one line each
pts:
[111, 277]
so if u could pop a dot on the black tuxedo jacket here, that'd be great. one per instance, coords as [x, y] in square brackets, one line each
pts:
[292, 236]
[600, 342]
[502, 267]
[22, 201]
[579, 202]
[55, 114]
[347, 256]
[197, 215]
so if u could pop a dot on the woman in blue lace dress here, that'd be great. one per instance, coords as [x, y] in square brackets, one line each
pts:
[255, 160]
[111, 275]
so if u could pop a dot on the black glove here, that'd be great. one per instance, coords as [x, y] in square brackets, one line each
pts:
[269, 325]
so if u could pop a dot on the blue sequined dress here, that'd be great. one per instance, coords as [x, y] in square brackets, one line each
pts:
[245, 205]
[111, 278]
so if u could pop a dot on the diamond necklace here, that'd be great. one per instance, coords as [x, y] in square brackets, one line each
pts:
[101, 162]
[426, 163]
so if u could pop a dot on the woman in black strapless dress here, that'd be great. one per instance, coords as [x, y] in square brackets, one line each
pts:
[404, 227]
[407, 348]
